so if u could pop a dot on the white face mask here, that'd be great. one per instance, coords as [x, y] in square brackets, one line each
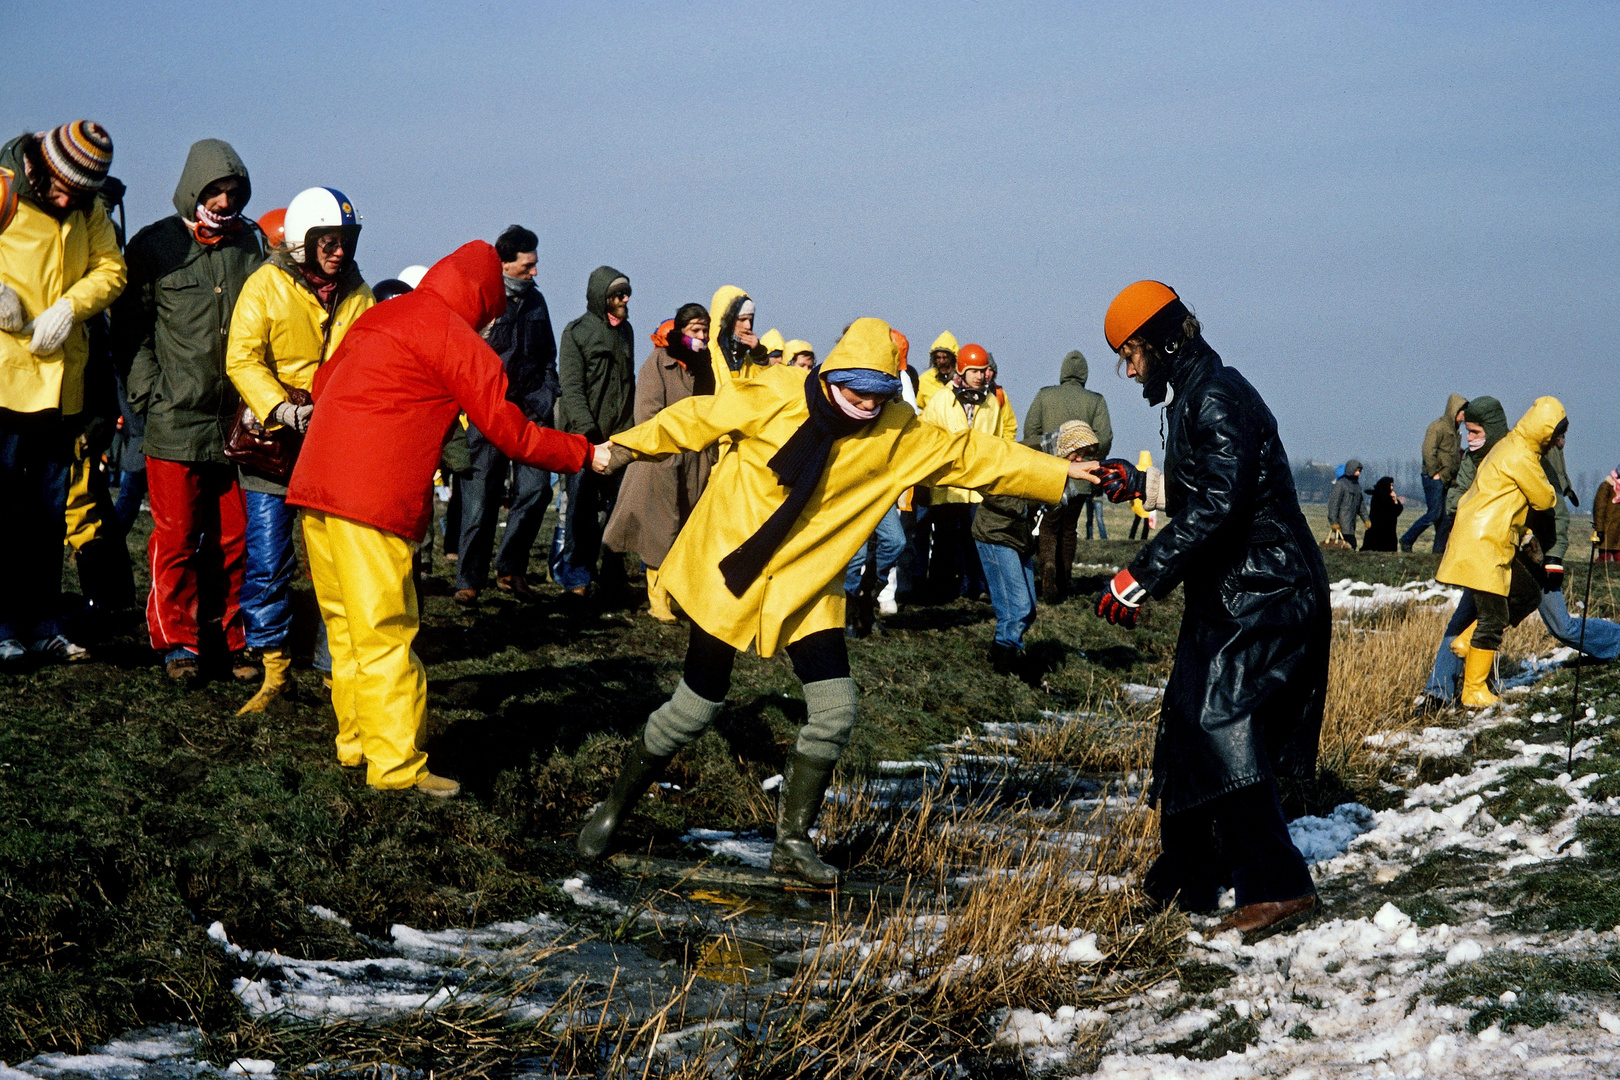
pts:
[1475, 441]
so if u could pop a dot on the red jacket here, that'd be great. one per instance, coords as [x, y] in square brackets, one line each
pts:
[386, 398]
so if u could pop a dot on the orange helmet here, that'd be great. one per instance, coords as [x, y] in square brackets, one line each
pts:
[971, 356]
[901, 346]
[274, 226]
[660, 336]
[1133, 307]
[8, 197]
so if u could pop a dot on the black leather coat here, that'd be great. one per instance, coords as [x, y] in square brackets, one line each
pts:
[1244, 702]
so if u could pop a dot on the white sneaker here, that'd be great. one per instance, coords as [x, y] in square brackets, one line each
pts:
[60, 648]
[11, 650]
[886, 604]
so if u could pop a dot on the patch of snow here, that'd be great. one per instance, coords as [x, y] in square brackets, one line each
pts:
[1140, 694]
[1348, 594]
[1322, 838]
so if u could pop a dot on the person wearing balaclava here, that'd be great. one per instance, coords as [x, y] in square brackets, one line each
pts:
[815, 463]
[291, 317]
[736, 350]
[524, 340]
[656, 497]
[1244, 704]
[185, 274]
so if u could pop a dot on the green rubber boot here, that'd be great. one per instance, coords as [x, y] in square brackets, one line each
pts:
[804, 784]
[641, 769]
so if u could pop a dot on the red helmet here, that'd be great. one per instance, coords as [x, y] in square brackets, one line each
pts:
[274, 226]
[8, 197]
[971, 356]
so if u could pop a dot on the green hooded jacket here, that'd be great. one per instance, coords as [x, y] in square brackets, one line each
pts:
[1055, 406]
[1488, 413]
[1442, 450]
[596, 365]
[171, 325]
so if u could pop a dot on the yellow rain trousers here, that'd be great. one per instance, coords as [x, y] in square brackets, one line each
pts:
[379, 687]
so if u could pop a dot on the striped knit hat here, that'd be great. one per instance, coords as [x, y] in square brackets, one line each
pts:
[78, 154]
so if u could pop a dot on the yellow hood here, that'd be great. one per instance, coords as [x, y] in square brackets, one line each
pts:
[866, 344]
[723, 298]
[946, 341]
[794, 348]
[772, 340]
[1539, 422]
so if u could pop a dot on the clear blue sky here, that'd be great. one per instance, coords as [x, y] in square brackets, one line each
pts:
[1369, 205]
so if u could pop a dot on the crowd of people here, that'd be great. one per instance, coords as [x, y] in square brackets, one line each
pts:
[243, 378]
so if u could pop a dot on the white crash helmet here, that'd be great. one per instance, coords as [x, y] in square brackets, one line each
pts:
[412, 275]
[321, 208]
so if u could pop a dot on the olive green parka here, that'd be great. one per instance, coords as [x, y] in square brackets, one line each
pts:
[596, 365]
[172, 323]
[1055, 406]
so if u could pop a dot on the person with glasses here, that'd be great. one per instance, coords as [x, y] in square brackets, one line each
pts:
[290, 318]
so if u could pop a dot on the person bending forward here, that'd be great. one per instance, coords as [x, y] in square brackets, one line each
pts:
[815, 463]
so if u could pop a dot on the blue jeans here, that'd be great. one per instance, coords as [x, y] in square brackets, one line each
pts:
[1094, 513]
[481, 497]
[1445, 677]
[1010, 578]
[36, 460]
[584, 517]
[1434, 501]
[891, 544]
[267, 609]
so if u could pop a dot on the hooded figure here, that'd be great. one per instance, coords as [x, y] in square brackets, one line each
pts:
[1345, 501]
[171, 326]
[761, 561]
[1053, 407]
[1487, 412]
[596, 364]
[731, 357]
[1384, 511]
[382, 408]
[1442, 455]
[1491, 523]
[930, 381]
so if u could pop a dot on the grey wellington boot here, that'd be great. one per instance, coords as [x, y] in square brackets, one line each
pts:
[804, 783]
[641, 769]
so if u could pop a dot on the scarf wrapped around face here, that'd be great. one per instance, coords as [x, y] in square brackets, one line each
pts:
[211, 228]
[798, 465]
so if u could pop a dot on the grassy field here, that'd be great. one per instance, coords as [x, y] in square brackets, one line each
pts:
[135, 811]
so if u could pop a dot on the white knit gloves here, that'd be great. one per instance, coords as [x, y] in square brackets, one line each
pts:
[293, 416]
[12, 316]
[51, 327]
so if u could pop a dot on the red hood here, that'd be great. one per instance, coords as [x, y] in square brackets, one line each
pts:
[469, 281]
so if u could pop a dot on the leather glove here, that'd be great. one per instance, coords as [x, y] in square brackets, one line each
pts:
[1554, 573]
[1121, 601]
[12, 315]
[1120, 480]
[51, 327]
[293, 416]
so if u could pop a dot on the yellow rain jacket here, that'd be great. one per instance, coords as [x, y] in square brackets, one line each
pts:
[929, 383]
[754, 362]
[801, 590]
[794, 348]
[1491, 517]
[276, 337]
[772, 341]
[944, 411]
[43, 260]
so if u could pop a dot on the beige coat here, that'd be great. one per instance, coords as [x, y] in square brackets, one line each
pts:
[656, 497]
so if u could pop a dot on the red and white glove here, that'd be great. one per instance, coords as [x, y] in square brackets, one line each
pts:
[1121, 601]
[1120, 480]
[1555, 576]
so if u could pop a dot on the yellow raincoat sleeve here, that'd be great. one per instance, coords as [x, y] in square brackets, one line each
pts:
[1537, 489]
[973, 459]
[248, 362]
[695, 423]
[104, 272]
[1009, 418]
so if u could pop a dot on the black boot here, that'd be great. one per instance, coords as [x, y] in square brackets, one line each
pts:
[852, 629]
[804, 783]
[1003, 658]
[641, 769]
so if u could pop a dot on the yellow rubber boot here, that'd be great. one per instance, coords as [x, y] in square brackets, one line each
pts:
[276, 681]
[658, 598]
[1476, 692]
[1464, 641]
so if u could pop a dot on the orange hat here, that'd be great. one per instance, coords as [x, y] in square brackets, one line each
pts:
[971, 356]
[274, 226]
[8, 197]
[901, 346]
[1133, 307]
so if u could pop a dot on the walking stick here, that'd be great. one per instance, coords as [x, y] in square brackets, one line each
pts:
[1586, 605]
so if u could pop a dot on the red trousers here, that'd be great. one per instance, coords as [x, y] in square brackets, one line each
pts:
[198, 553]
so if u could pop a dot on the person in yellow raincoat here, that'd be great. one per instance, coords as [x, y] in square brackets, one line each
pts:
[733, 346]
[815, 463]
[1482, 553]
[969, 403]
[941, 369]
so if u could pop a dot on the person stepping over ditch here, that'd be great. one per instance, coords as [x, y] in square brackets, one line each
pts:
[815, 463]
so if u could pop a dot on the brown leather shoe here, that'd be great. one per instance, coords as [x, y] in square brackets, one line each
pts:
[467, 597]
[186, 667]
[516, 584]
[1267, 913]
[579, 591]
[244, 668]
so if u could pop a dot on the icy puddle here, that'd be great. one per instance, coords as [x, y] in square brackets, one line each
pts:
[1418, 965]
